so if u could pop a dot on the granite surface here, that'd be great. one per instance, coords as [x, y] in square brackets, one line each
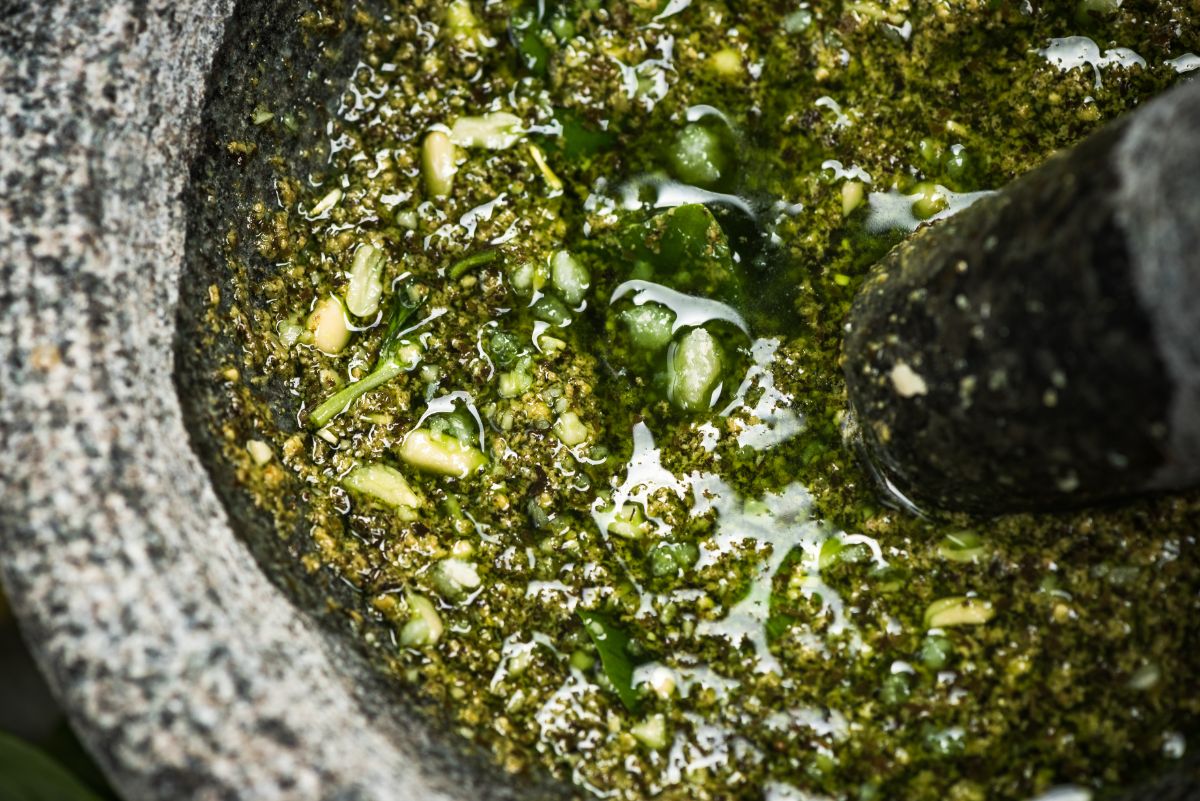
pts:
[182, 667]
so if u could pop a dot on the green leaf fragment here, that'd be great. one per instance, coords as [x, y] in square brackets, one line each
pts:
[936, 652]
[525, 31]
[672, 558]
[690, 232]
[458, 424]
[26, 774]
[261, 115]
[613, 645]
[895, 689]
[505, 349]
[698, 156]
[579, 139]
[550, 309]
[778, 625]
[686, 249]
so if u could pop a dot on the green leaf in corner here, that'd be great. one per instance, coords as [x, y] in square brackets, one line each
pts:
[613, 645]
[26, 774]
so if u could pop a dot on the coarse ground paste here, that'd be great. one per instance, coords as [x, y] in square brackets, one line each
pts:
[559, 324]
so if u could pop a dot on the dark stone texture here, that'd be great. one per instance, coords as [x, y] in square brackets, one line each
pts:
[1180, 784]
[1012, 358]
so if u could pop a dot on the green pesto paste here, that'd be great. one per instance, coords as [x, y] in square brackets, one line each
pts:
[560, 322]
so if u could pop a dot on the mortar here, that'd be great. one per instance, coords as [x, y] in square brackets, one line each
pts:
[189, 657]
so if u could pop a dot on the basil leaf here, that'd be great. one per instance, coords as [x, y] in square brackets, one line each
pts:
[26, 774]
[613, 645]
[579, 139]
[686, 249]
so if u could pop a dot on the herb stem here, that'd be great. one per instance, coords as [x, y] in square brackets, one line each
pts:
[337, 403]
[460, 267]
[389, 364]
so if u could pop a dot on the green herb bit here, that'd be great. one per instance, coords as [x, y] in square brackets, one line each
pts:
[673, 558]
[462, 266]
[936, 652]
[550, 309]
[698, 156]
[29, 773]
[613, 645]
[505, 349]
[580, 141]
[261, 114]
[395, 357]
[524, 30]
[778, 625]
[686, 249]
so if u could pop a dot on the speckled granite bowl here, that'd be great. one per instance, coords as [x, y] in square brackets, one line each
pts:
[185, 668]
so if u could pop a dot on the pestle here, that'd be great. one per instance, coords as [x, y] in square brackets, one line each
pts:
[1040, 350]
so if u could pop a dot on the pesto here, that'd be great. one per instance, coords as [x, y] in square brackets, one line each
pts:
[561, 322]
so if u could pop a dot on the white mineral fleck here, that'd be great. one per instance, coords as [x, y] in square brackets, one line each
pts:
[907, 381]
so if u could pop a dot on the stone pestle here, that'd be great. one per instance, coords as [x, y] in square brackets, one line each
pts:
[1041, 349]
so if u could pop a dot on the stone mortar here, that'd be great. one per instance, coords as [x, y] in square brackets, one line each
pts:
[186, 672]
